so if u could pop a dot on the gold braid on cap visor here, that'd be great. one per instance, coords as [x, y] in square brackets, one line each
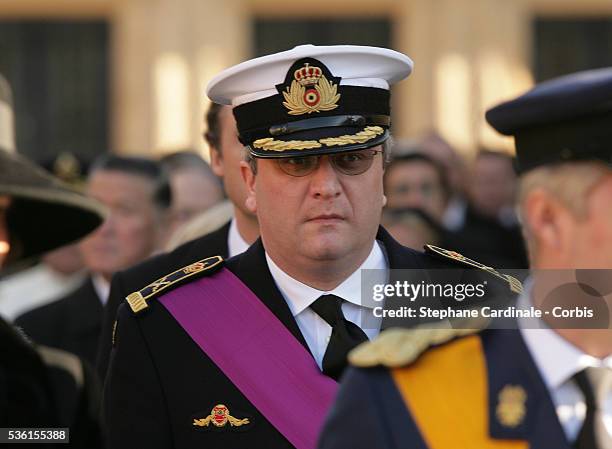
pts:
[270, 144]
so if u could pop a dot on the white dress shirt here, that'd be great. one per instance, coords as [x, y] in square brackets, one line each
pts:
[558, 361]
[34, 287]
[300, 296]
[235, 243]
[101, 286]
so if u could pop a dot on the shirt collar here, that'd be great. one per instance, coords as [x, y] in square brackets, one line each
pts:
[300, 296]
[556, 358]
[235, 243]
[101, 286]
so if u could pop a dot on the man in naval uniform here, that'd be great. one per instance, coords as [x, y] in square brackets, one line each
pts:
[246, 353]
[546, 385]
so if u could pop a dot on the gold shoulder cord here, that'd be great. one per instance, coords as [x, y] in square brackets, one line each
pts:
[138, 300]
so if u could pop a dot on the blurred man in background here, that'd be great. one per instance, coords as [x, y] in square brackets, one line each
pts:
[415, 180]
[137, 195]
[417, 191]
[435, 146]
[226, 153]
[492, 186]
[232, 238]
[479, 210]
[490, 232]
[195, 188]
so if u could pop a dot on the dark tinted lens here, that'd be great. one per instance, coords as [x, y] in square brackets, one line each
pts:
[354, 162]
[298, 166]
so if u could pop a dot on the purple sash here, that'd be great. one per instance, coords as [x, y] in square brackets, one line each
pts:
[256, 352]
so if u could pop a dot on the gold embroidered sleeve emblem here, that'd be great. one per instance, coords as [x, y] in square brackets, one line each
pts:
[511, 407]
[310, 91]
[219, 417]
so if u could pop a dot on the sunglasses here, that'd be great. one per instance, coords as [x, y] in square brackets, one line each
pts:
[351, 163]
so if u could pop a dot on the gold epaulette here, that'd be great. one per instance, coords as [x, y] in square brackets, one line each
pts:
[514, 283]
[399, 347]
[138, 300]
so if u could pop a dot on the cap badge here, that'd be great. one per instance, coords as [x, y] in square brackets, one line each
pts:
[310, 91]
[511, 408]
[220, 417]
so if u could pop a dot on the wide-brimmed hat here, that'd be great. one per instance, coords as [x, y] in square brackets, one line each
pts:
[44, 213]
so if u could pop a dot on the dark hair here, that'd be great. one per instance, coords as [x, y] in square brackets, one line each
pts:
[188, 159]
[213, 126]
[184, 159]
[140, 166]
[421, 157]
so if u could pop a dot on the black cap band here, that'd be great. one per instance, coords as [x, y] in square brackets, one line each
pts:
[587, 138]
[316, 123]
[254, 118]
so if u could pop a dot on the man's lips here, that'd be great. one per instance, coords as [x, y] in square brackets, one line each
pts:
[326, 217]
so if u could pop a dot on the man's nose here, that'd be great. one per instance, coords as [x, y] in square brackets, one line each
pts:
[108, 225]
[324, 182]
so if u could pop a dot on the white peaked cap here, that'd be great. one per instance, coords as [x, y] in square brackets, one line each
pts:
[356, 65]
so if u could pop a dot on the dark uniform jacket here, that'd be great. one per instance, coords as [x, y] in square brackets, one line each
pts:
[133, 279]
[44, 387]
[159, 380]
[71, 323]
[515, 405]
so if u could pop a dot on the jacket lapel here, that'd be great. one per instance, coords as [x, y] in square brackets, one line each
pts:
[86, 308]
[219, 240]
[520, 406]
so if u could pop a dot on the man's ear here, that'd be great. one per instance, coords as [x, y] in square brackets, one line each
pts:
[216, 162]
[547, 218]
[249, 180]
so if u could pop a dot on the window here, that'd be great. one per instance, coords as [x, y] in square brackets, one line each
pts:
[274, 35]
[59, 75]
[563, 46]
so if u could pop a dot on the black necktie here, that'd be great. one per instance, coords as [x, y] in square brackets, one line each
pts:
[586, 436]
[344, 337]
[595, 384]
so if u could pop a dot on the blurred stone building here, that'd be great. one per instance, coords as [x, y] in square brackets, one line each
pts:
[129, 75]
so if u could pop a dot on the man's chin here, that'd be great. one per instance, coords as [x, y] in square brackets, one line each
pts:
[327, 229]
[328, 248]
[104, 268]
